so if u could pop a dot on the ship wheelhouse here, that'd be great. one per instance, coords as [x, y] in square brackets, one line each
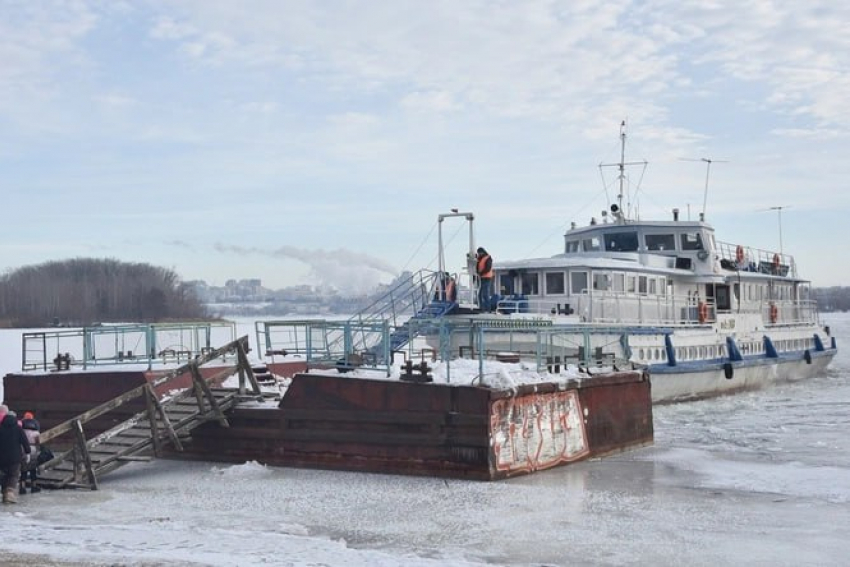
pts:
[655, 273]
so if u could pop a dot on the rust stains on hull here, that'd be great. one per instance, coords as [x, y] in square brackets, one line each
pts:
[330, 421]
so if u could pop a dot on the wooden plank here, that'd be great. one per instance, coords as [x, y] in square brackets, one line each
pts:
[136, 392]
[151, 411]
[245, 370]
[81, 442]
[200, 361]
[97, 411]
[199, 381]
[165, 420]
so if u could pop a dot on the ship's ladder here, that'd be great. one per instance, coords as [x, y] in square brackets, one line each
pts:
[161, 423]
[404, 308]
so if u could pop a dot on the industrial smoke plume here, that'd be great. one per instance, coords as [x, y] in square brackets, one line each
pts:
[349, 272]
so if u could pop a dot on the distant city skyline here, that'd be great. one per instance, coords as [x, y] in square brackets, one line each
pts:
[317, 142]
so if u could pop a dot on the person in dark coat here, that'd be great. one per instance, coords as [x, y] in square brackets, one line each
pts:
[13, 447]
[29, 472]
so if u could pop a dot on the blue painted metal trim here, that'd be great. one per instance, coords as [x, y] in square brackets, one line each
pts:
[732, 347]
[671, 352]
[717, 363]
[769, 349]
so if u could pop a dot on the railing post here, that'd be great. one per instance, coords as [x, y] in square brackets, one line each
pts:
[245, 370]
[149, 395]
[201, 383]
[84, 454]
[164, 417]
[480, 353]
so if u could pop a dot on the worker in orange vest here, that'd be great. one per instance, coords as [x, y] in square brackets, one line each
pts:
[484, 269]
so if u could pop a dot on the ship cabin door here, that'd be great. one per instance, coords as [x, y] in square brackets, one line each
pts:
[722, 296]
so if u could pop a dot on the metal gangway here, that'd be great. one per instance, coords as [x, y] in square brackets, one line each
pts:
[410, 308]
[161, 423]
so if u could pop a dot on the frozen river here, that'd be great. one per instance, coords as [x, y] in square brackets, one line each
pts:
[755, 479]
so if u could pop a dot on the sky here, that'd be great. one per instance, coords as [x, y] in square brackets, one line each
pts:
[316, 142]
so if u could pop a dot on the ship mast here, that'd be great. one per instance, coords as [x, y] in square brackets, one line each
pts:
[622, 164]
[619, 212]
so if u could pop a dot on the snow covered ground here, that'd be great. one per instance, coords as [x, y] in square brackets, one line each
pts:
[754, 479]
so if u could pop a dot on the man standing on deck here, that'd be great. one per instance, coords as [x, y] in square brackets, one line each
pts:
[484, 269]
[13, 447]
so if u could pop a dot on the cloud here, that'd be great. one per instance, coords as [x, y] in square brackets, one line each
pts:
[436, 101]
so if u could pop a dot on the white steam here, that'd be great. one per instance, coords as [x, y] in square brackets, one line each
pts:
[350, 273]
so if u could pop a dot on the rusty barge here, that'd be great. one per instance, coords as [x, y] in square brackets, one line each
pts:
[325, 418]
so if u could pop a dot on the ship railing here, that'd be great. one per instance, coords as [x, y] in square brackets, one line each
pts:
[789, 312]
[629, 309]
[751, 259]
[367, 338]
[134, 344]
[394, 309]
[550, 347]
[620, 308]
[321, 342]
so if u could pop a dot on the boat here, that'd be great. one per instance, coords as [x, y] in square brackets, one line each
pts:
[179, 392]
[705, 317]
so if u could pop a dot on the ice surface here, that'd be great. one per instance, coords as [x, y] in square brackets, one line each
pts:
[753, 479]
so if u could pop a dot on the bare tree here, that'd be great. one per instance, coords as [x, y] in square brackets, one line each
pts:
[84, 290]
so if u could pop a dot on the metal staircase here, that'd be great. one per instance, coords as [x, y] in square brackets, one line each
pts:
[148, 431]
[405, 310]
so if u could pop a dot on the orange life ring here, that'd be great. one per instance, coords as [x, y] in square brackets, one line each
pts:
[776, 262]
[739, 254]
[702, 311]
[774, 313]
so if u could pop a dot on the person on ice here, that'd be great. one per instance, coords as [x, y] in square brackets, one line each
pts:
[29, 472]
[14, 448]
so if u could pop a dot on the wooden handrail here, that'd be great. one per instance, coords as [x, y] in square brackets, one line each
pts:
[110, 405]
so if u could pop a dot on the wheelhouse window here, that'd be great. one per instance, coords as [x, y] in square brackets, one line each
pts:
[555, 283]
[621, 242]
[601, 281]
[530, 283]
[578, 282]
[573, 246]
[591, 244]
[660, 242]
[619, 283]
[691, 241]
[506, 284]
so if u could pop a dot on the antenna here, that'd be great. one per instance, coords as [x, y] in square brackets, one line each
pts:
[778, 210]
[708, 162]
[621, 165]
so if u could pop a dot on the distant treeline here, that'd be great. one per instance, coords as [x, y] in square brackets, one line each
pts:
[832, 298]
[83, 291]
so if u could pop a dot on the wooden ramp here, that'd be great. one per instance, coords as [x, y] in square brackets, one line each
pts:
[148, 431]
